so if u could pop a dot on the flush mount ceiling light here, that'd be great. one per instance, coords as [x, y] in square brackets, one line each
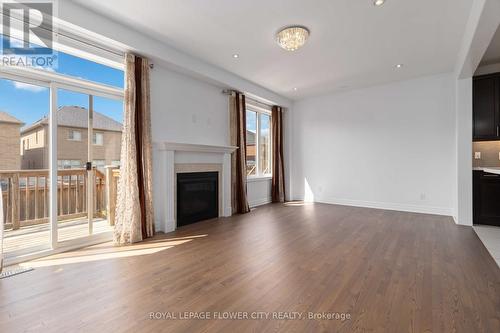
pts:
[399, 66]
[378, 2]
[292, 38]
[236, 55]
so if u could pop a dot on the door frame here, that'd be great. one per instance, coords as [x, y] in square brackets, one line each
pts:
[54, 81]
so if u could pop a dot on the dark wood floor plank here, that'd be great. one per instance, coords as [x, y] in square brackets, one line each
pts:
[391, 271]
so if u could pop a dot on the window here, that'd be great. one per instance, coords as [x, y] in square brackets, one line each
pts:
[116, 163]
[258, 138]
[59, 97]
[98, 139]
[74, 135]
[76, 66]
[69, 164]
[99, 163]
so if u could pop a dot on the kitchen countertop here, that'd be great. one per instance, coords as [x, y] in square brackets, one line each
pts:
[495, 170]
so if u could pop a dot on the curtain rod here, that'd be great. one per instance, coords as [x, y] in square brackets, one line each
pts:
[252, 101]
[228, 91]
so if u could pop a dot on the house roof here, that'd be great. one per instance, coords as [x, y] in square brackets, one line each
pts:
[7, 118]
[250, 137]
[77, 116]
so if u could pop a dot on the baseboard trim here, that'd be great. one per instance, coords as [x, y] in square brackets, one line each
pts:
[259, 202]
[388, 206]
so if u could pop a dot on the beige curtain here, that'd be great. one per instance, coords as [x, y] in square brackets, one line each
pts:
[134, 206]
[237, 119]
[278, 181]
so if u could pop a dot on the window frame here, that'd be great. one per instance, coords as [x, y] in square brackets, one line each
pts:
[258, 109]
[94, 138]
[71, 135]
[54, 81]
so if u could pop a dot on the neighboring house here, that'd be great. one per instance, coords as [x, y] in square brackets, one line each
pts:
[72, 144]
[264, 152]
[9, 142]
[250, 145]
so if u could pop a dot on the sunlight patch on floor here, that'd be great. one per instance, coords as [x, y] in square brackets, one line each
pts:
[107, 251]
[298, 203]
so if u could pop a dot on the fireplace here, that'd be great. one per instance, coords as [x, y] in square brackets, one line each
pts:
[197, 197]
[172, 159]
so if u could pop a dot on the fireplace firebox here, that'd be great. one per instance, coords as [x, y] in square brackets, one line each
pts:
[197, 197]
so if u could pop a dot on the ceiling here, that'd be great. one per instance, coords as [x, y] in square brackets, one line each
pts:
[492, 55]
[352, 44]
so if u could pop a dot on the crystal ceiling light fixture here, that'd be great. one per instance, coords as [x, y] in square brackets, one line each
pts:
[378, 3]
[292, 38]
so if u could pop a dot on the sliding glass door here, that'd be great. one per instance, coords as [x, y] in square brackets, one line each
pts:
[73, 178]
[60, 129]
[63, 138]
[88, 158]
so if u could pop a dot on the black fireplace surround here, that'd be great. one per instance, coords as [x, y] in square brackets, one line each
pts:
[197, 197]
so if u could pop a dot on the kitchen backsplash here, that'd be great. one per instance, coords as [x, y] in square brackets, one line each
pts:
[489, 153]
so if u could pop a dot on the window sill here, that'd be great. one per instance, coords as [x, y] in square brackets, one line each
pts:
[251, 179]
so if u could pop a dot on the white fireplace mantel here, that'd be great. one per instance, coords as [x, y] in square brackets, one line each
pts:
[177, 146]
[167, 155]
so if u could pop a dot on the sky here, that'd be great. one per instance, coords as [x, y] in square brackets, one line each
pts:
[30, 103]
[251, 120]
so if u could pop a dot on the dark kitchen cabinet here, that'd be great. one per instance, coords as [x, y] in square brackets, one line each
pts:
[486, 107]
[486, 198]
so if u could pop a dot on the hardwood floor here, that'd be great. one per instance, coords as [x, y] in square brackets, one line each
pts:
[390, 271]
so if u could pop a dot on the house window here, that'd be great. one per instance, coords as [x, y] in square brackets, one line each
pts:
[74, 135]
[115, 163]
[98, 139]
[69, 164]
[258, 138]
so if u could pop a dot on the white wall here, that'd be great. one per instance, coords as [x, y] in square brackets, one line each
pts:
[259, 191]
[463, 197]
[488, 69]
[390, 146]
[187, 110]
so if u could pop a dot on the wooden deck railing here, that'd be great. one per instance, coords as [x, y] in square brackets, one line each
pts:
[26, 195]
